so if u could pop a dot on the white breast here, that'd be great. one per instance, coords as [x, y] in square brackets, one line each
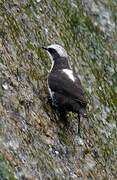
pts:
[69, 73]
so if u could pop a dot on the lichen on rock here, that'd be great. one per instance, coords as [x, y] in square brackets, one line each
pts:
[34, 143]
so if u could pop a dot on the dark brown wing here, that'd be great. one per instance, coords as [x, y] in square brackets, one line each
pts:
[59, 82]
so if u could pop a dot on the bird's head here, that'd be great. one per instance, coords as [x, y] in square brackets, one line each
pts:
[56, 51]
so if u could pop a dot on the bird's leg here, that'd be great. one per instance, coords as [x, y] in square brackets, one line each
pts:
[63, 115]
[79, 124]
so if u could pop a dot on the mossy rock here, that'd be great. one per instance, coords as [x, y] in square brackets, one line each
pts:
[6, 172]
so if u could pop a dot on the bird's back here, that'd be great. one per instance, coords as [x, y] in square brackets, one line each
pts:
[67, 90]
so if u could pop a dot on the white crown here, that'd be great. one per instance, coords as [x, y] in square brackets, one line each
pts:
[60, 50]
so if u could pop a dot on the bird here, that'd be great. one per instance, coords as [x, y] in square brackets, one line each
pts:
[64, 86]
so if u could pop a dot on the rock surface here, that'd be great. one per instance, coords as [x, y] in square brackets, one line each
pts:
[34, 144]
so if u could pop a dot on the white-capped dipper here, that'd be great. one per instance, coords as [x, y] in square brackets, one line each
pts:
[65, 89]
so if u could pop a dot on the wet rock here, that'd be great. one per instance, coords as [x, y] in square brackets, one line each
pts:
[102, 16]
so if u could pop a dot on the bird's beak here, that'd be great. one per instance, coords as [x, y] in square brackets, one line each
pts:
[45, 48]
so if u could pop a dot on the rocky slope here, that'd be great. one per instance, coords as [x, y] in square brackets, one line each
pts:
[34, 144]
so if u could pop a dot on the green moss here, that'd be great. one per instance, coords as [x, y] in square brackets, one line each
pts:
[6, 172]
[27, 25]
[64, 137]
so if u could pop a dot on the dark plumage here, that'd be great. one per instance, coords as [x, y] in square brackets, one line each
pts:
[65, 88]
